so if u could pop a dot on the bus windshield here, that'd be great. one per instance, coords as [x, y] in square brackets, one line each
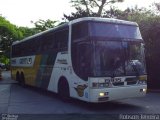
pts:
[105, 49]
[109, 30]
[118, 58]
[105, 30]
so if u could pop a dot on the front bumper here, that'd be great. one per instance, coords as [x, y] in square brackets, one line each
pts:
[117, 93]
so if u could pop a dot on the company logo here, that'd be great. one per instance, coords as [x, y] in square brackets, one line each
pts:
[25, 61]
[80, 89]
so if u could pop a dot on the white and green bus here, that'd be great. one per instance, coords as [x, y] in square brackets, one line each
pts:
[90, 59]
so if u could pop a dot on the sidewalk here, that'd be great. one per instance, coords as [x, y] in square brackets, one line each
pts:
[6, 78]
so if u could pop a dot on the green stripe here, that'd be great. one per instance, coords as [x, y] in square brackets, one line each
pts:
[45, 70]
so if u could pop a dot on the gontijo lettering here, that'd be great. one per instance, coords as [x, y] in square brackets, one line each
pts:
[25, 60]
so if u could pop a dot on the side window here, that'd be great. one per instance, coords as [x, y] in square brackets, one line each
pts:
[61, 39]
[49, 42]
[79, 30]
[14, 52]
[44, 44]
[82, 60]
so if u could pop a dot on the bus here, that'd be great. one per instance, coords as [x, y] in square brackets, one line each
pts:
[91, 59]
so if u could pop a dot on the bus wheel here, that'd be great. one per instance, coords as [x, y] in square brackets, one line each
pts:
[22, 80]
[63, 90]
[18, 77]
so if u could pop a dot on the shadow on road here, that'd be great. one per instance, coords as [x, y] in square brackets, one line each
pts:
[109, 107]
[35, 94]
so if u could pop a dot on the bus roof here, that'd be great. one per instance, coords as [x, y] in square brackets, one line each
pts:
[107, 20]
[96, 19]
[41, 33]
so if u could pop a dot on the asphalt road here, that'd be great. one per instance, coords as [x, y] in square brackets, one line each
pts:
[27, 102]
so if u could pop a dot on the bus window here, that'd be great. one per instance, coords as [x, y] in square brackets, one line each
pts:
[80, 30]
[83, 60]
[61, 39]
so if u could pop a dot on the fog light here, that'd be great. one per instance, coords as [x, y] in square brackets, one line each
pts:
[143, 90]
[101, 94]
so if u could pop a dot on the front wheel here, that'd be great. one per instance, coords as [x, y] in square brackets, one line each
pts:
[63, 90]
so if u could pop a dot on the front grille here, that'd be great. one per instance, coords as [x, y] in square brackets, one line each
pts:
[127, 81]
[131, 81]
[118, 83]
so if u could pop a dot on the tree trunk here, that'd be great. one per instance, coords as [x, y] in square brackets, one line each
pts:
[87, 9]
[101, 8]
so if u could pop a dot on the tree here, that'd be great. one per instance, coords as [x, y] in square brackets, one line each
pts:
[157, 5]
[42, 25]
[80, 13]
[149, 24]
[27, 31]
[87, 8]
[91, 5]
[8, 34]
[4, 59]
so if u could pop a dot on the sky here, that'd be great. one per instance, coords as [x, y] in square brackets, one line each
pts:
[22, 12]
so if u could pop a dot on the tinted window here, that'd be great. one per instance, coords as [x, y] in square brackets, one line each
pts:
[114, 30]
[43, 44]
[82, 57]
[80, 30]
[61, 39]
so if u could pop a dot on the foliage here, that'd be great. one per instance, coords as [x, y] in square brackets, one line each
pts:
[4, 59]
[149, 23]
[87, 8]
[8, 34]
[27, 31]
[80, 13]
[157, 6]
[42, 25]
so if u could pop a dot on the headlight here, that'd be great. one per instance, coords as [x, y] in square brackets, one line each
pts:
[101, 94]
[143, 90]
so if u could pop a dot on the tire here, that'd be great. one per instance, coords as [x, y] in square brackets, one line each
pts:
[63, 90]
[18, 77]
[22, 80]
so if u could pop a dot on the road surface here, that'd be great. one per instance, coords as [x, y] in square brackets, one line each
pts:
[16, 100]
